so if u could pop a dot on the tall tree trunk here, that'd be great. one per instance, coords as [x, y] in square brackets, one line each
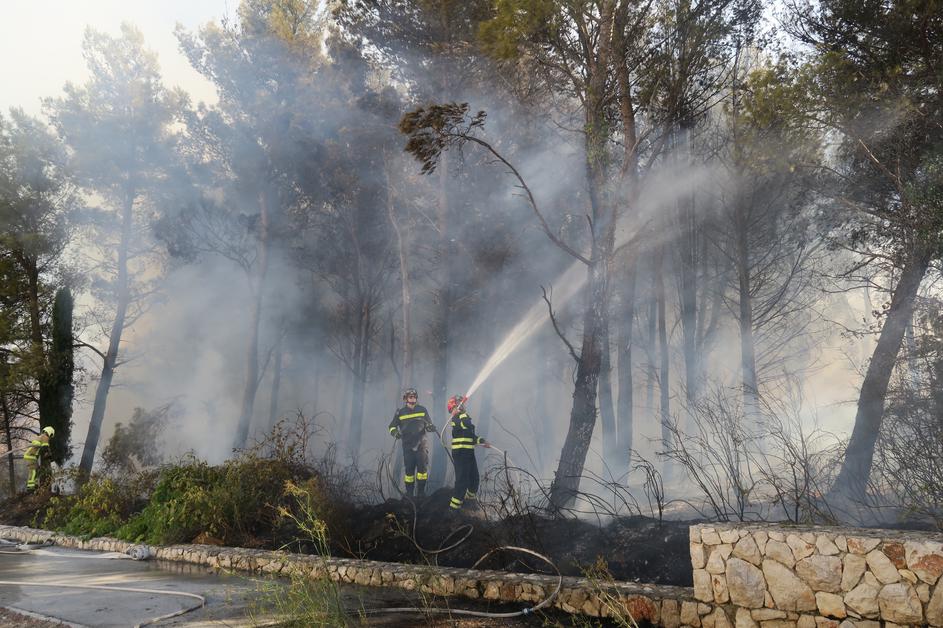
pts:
[440, 374]
[361, 364]
[566, 480]
[856, 467]
[664, 407]
[8, 433]
[625, 411]
[276, 381]
[55, 407]
[123, 295]
[747, 345]
[402, 248]
[257, 285]
[607, 413]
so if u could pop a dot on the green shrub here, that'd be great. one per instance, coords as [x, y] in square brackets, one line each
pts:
[99, 509]
[235, 502]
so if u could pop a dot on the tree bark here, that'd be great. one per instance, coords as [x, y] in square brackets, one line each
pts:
[255, 322]
[440, 374]
[664, 406]
[747, 344]
[8, 432]
[123, 294]
[361, 364]
[855, 471]
[607, 413]
[276, 382]
[625, 403]
[406, 374]
[566, 481]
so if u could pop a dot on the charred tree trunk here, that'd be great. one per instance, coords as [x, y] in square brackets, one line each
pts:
[440, 375]
[566, 481]
[625, 412]
[606, 410]
[255, 322]
[123, 298]
[853, 477]
[8, 433]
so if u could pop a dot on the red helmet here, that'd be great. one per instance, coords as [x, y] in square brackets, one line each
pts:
[455, 401]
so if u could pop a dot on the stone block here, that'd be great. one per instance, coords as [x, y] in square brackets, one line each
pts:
[826, 546]
[841, 542]
[702, 586]
[698, 556]
[899, 603]
[830, 605]
[745, 584]
[863, 599]
[805, 621]
[729, 536]
[670, 614]
[761, 538]
[800, 548]
[766, 614]
[862, 545]
[788, 591]
[747, 549]
[821, 573]
[744, 619]
[689, 615]
[709, 536]
[779, 551]
[882, 567]
[925, 559]
[854, 567]
[718, 557]
[719, 587]
[935, 607]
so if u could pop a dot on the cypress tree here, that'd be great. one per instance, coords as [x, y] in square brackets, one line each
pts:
[55, 403]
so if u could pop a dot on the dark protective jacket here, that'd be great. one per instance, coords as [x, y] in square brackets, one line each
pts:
[412, 423]
[463, 432]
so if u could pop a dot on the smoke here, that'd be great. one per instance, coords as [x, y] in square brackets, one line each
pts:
[190, 345]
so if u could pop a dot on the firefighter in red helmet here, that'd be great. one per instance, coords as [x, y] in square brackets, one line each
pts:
[464, 441]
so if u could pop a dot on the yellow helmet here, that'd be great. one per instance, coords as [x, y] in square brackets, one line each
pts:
[49, 431]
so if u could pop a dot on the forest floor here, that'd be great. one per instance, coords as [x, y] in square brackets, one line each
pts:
[639, 549]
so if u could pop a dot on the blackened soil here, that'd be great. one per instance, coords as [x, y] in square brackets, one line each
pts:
[632, 548]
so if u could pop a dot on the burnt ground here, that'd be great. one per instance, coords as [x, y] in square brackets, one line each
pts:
[636, 548]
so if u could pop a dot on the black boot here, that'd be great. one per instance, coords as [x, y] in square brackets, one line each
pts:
[421, 488]
[409, 489]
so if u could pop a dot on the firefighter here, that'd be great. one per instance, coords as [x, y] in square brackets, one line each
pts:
[32, 454]
[464, 441]
[410, 423]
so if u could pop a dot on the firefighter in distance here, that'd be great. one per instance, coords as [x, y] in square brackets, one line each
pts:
[37, 447]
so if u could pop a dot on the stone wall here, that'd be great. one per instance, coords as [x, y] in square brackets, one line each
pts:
[815, 577]
[659, 605]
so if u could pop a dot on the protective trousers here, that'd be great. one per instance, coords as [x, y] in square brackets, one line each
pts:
[415, 467]
[466, 477]
[32, 465]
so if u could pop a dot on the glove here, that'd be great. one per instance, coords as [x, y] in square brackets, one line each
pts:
[396, 434]
[431, 428]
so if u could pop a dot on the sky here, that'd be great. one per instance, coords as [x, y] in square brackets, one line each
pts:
[41, 42]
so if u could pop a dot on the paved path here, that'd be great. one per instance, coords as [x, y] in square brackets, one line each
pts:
[231, 599]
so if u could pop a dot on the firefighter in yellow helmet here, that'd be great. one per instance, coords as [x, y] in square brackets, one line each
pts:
[36, 448]
[410, 423]
[464, 441]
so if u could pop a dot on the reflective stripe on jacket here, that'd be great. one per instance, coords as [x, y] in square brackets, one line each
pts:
[463, 432]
